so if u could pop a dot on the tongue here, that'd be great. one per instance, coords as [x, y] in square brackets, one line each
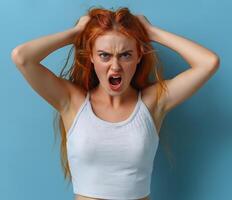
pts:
[115, 81]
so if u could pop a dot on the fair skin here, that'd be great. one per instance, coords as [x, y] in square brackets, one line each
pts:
[203, 64]
[66, 98]
[115, 53]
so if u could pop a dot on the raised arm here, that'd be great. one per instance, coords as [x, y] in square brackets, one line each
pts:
[203, 64]
[27, 57]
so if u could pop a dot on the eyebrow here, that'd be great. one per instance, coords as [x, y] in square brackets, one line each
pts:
[119, 53]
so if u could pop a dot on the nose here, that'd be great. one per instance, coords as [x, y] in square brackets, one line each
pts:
[115, 66]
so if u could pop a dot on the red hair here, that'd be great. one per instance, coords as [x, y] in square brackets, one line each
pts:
[82, 70]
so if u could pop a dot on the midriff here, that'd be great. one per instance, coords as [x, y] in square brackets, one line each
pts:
[80, 197]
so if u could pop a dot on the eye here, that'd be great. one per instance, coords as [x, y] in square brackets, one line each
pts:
[106, 55]
[126, 55]
[103, 55]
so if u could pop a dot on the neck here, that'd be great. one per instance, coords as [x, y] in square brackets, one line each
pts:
[114, 99]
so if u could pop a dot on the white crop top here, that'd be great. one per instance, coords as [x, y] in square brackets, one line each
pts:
[112, 160]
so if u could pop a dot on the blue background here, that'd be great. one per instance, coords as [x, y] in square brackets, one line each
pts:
[194, 157]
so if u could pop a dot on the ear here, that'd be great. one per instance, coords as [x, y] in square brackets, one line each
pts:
[91, 58]
[140, 58]
[141, 54]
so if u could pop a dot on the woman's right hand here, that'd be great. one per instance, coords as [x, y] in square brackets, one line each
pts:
[81, 23]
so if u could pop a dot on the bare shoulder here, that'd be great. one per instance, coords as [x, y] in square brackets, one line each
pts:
[77, 96]
[149, 95]
[156, 109]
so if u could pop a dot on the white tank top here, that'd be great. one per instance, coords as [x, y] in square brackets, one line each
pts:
[112, 160]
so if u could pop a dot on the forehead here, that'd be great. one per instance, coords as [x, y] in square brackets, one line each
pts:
[114, 41]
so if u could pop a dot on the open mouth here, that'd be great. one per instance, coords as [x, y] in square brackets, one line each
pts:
[115, 80]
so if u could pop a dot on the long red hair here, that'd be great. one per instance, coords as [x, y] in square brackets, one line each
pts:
[82, 70]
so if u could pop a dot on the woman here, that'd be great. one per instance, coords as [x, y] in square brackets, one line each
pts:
[110, 114]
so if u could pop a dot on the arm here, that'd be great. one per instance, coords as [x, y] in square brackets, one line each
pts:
[37, 49]
[203, 64]
[27, 57]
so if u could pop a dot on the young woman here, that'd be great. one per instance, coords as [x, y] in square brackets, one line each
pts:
[111, 114]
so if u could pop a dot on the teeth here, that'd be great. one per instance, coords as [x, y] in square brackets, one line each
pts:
[116, 76]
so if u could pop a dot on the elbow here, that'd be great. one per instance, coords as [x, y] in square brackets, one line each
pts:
[17, 57]
[215, 60]
[213, 64]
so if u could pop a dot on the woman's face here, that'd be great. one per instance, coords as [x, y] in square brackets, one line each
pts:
[114, 53]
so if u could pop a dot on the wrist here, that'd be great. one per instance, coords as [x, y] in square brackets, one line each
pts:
[72, 32]
[153, 33]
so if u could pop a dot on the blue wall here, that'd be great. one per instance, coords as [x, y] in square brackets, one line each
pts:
[194, 157]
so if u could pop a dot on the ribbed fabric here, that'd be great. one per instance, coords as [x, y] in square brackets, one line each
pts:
[112, 160]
